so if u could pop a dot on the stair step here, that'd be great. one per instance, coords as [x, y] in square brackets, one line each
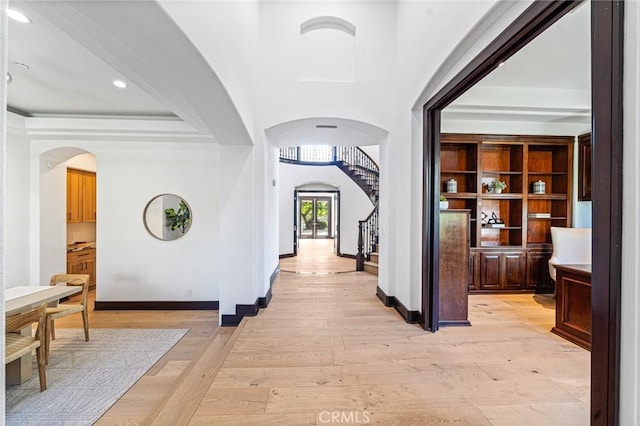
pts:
[371, 268]
[373, 257]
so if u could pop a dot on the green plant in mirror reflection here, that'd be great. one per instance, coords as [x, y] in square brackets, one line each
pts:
[180, 219]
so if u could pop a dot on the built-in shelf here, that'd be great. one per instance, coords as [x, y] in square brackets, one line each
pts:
[514, 257]
[456, 172]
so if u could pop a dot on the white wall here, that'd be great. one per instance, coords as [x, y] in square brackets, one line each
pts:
[52, 218]
[16, 240]
[372, 151]
[355, 205]
[457, 45]
[226, 35]
[272, 210]
[131, 264]
[424, 37]
[238, 218]
[630, 321]
[283, 97]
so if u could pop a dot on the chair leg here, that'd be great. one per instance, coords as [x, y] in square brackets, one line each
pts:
[48, 323]
[53, 330]
[85, 322]
[41, 368]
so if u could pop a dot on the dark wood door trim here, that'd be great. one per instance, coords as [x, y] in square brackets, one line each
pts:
[607, 64]
[607, 25]
[297, 194]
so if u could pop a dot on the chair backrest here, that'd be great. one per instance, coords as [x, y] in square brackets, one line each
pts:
[73, 279]
[570, 246]
[17, 322]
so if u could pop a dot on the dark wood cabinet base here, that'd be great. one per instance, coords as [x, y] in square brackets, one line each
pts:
[510, 270]
[573, 304]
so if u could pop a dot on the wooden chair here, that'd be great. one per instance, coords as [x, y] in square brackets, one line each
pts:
[17, 345]
[60, 311]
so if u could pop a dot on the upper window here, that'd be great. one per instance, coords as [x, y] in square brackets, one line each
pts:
[327, 50]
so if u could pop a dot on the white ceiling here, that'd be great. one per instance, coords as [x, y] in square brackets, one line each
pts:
[559, 58]
[64, 77]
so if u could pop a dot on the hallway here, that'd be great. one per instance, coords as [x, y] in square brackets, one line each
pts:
[327, 347]
[326, 351]
[316, 256]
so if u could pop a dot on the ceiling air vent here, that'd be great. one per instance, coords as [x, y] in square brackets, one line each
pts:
[326, 126]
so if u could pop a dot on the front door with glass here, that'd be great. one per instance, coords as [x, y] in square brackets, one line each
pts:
[315, 217]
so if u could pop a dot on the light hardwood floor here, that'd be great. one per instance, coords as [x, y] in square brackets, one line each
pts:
[326, 351]
[316, 257]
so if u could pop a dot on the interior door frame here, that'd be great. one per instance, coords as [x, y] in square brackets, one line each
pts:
[607, 25]
[297, 194]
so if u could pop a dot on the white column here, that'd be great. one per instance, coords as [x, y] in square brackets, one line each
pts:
[237, 228]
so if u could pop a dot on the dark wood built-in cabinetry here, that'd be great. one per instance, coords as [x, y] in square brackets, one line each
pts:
[453, 280]
[584, 167]
[512, 255]
[573, 304]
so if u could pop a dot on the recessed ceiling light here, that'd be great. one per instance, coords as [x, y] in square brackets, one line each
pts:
[9, 78]
[120, 84]
[18, 16]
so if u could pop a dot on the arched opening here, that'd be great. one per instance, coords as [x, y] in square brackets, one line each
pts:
[327, 50]
[67, 212]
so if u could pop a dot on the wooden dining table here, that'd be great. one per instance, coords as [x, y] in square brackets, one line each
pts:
[21, 299]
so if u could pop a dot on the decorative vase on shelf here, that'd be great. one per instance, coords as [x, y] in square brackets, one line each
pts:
[444, 205]
[497, 190]
[452, 186]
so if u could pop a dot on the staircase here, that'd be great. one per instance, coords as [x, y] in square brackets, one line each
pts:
[356, 164]
[371, 265]
[368, 244]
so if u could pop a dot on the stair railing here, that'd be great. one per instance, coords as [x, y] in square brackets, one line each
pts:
[367, 238]
[362, 169]
[350, 159]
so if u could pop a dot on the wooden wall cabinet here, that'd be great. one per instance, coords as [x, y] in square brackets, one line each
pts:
[474, 270]
[538, 269]
[83, 262]
[509, 256]
[584, 167]
[500, 270]
[81, 196]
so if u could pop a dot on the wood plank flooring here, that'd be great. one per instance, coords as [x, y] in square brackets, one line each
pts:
[326, 351]
[316, 257]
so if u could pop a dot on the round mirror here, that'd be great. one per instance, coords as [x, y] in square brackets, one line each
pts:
[167, 217]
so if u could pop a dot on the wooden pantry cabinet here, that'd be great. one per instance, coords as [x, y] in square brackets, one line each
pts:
[83, 262]
[81, 196]
[511, 255]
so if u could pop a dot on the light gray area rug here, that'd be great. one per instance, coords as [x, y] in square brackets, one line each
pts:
[84, 379]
